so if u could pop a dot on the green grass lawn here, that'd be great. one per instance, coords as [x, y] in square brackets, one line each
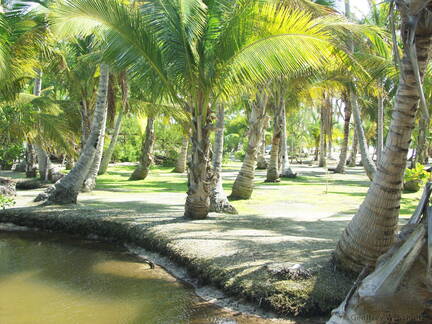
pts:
[330, 192]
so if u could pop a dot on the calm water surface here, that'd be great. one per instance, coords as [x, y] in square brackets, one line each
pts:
[47, 278]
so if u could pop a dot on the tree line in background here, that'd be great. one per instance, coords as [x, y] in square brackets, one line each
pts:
[193, 83]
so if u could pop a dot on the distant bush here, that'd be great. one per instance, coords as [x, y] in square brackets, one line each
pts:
[9, 154]
[239, 155]
[415, 178]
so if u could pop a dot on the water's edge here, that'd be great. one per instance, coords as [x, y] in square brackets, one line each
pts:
[138, 241]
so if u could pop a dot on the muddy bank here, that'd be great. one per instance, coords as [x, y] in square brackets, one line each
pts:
[254, 290]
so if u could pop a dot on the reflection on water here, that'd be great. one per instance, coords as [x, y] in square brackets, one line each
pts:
[47, 278]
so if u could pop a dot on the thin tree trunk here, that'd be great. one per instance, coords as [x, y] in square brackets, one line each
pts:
[340, 168]
[273, 171]
[367, 162]
[243, 185]
[90, 180]
[218, 199]
[380, 128]
[44, 162]
[67, 189]
[30, 168]
[85, 122]
[182, 158]
[262, 163]
[146, 159]
[110, 150]
[421, 152]
[285, 168]
[329, 128]
[323, 138]
[353, 157]
[371, 232]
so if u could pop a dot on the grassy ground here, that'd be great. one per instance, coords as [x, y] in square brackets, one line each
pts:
[294, 221]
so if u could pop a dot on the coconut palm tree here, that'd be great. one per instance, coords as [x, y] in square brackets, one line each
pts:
[196, 52]
[67, 189]
[243, 184]
[371, 231]
[117, 125]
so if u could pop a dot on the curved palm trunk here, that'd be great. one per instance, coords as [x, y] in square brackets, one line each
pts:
[367, 162]
[285, 168]
[67, 189]
[218, 199]
[371, 231]
[90, 181]
[182, 158]
[340, 168]
[146, 159]
[110, 150]
[243, 185]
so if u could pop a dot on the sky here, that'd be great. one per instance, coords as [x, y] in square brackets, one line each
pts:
[359, 7]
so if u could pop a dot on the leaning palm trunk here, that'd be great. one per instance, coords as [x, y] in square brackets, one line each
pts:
[340, 168]
[67, 189]
[182, 158]
[398, 290]
[110, 150]
[243, 185]
[90, 180]
[218, 199]
[146, 159]
[367, 162]
[285, 168]
[371, 231]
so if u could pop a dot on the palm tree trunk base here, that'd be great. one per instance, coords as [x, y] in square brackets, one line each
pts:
[272, 180]
[89, 185]
[140, 173]
[196, 209]
[289, 175]
[262, 163]
[241, 191]
[57, 195]
[219, 202]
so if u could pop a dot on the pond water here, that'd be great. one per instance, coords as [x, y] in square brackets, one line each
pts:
[50, 278]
